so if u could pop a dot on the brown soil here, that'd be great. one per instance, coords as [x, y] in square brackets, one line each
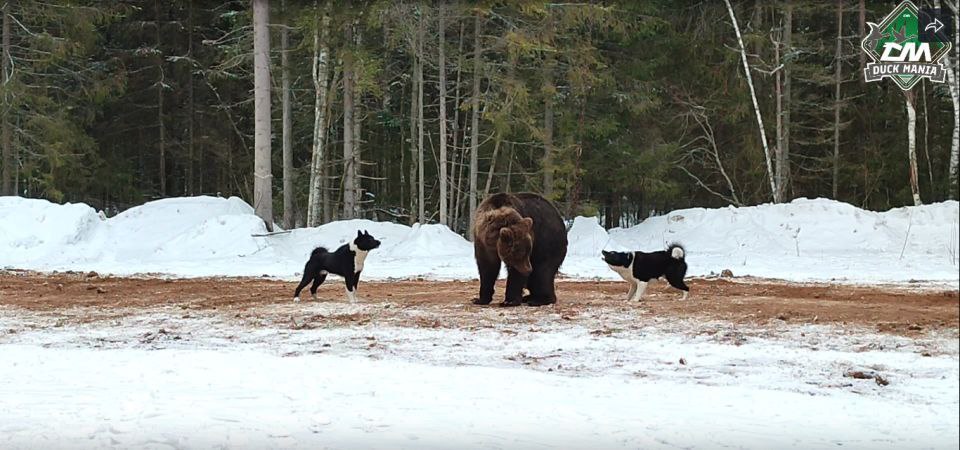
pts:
[90, 297]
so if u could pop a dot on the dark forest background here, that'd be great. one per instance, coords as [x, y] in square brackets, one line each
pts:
[622, 109]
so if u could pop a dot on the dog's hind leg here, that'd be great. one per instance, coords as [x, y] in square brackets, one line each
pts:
[317, 281]
[307, 276]
[675, 278]
[679, 284]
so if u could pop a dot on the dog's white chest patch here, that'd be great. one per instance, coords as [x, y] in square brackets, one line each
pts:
[358, 260]
[359, 256]
[625, 272]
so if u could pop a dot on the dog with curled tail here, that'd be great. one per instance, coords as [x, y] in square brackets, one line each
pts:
[638, 268]
[347, 261]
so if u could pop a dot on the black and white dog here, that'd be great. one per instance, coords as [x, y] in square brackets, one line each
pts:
[347, 262]
[638, 268]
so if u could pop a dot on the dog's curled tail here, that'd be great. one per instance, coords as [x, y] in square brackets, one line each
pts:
[676, 251]
[318, 251]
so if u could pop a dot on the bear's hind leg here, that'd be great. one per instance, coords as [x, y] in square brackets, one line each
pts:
[541, 285]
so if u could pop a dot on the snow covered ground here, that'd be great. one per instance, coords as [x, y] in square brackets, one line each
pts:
[164, 378]
[239, 399]
[205, 236]
[209, 382]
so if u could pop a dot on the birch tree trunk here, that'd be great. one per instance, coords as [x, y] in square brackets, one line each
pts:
[329, 205]
[357, 121]
[320, 72]
[442, 63]
[6, 179]
[838, 61]
[458, 135]
[912, 145]
[474, 125]
[756, 107]
[953, 83]
[287, 123]
[162, 142]
[262, 192]
[421, 214]
[926, 135]
[349, 171]
[955, 90]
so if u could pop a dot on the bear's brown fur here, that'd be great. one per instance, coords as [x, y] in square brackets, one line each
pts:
[525, 232]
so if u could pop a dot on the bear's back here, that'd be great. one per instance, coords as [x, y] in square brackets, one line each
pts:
[497, 201]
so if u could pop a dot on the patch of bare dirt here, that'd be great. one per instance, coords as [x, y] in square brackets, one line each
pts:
[435, 304]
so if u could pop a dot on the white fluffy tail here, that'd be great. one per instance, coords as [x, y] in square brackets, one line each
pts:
[676, 251]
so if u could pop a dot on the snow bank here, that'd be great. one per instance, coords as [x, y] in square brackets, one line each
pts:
[428, 241]
[810, 240]
[587, 238]
[31, 229]
[179, 229]
[207, 236]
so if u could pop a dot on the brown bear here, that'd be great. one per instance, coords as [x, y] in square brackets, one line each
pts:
[525, 232]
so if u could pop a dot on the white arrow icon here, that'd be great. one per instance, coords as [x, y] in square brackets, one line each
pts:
[937, 25]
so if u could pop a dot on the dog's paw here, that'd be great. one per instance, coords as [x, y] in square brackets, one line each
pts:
[313, 297]
[296, 299]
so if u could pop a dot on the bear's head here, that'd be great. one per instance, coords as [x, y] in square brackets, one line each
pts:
[515, 244]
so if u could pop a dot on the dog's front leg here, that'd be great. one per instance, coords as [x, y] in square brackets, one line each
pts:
[351, 285]
[638, 293]
[633, 289]
[351, 295]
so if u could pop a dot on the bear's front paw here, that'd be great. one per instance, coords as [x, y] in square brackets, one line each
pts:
[540, 302]
[510, 303]
[480, 301]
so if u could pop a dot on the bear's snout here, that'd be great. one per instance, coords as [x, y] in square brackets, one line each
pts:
[525, 269]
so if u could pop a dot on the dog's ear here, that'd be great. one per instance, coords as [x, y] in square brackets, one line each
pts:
[366, 232]
[605, 253]
[359, 234]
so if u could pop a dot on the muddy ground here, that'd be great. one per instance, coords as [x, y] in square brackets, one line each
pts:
[89, 297]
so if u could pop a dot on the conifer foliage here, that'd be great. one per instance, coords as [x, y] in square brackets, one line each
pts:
[414, 110]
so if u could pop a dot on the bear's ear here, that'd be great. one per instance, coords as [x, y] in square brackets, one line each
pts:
[506, 234]
[527, 222]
